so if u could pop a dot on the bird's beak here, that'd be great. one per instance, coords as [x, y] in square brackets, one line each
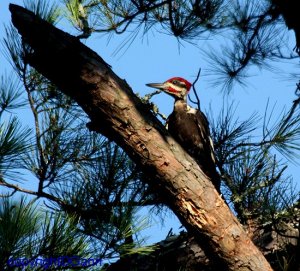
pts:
[160, 86]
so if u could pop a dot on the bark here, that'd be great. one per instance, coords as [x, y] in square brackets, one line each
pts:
[278, 241]
[116, 112]
[182, 249]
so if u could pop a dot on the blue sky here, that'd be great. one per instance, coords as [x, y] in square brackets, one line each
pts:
[157, 57]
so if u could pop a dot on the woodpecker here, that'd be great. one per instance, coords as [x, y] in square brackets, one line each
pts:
[190, 127]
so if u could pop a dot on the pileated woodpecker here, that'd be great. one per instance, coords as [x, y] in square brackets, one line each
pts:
[189, 127]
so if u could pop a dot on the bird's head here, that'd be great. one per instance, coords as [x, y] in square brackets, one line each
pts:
[176, 87]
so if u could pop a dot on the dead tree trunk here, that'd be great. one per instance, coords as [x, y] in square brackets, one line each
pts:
[116, 112]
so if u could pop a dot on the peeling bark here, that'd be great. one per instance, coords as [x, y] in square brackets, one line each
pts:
[116, 112]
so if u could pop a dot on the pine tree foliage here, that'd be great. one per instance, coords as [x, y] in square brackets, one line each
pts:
[28, 233]
[254, 176]
[255, 33]
[91, 187]
[13, 138]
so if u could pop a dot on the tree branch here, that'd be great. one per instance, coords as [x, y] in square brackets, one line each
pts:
[116, 112]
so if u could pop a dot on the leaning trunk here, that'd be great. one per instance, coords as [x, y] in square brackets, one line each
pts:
[116, 112]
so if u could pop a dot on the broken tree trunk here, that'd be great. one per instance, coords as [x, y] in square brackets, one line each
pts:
[116, 112]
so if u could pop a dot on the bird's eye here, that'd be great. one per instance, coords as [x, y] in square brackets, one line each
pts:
[175, 82]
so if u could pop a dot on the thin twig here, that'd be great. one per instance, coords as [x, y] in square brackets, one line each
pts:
[195, 92]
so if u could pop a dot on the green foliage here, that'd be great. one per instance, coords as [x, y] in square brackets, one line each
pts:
[13, 143]
[19, 221]
[254, 178]
[13, 138]
[15, 49]
[10, 95]
[61, 237]
[47, 10]
[184, 19]
[79, 172]
[284, 135]
[254, 33]
[27, 232]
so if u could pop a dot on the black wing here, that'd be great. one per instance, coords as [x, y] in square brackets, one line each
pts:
[191, 129]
